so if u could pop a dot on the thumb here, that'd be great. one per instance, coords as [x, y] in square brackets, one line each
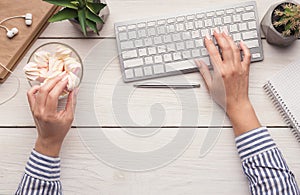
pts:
[205, 73]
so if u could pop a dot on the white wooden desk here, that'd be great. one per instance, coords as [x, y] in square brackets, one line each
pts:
[219, 172]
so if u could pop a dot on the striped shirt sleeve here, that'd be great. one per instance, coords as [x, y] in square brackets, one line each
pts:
[264, 165]
[42, 176]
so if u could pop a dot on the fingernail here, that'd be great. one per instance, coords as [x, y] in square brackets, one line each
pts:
[208, 37]
[216, 30]
[76, 91]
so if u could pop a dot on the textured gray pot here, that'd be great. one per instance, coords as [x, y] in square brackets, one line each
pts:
[104, 13]
[272, 35]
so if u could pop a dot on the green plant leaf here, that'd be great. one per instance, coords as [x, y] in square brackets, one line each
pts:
[63, 3]
[92, 25]
[93, 17]
[66, 13]
[95, 7]
[82, 20]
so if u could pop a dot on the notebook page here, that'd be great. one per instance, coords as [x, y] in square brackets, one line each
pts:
[287, 85]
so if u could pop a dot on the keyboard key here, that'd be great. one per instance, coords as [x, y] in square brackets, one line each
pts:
[148, 70]
[205, 60]
[138, 43]
[256, 55]
[129, 54]
[204, 32]
[252, 43]
[132, 35]
[180, 65]
[190, 17]
[195, 34]
[237, 37]
[131, 27]
[208, 22]
[210, 14]
[180, 27]
[157, 40]
[249, 35]
[176, 37]
[129, 73]
[237, 18]
[122, 28]
[133, 63]
[149, 60]
[189, 26]
[199, 43]
[148, 41]
[220, 12]
[158, 59]
[151, 32]
[162, 49]
[252, 25]
[177, 56]
[186, 54]
[233, 28]
[170, 28]
[123, 36]
[186, 35]
[248, 16]
[127, 45]
[151, 50]
[142, 33]
[158, 69]
[189, 44]
[198, 24]
[218, 21]
[167, 38]
[227, 19]
[138, 72]
[142, 52]
[150, 24]
[141, 25]
[251, 7]
[180, 46]
[171, 47]
[243, 26]
[200, 16]
[196, 53]
[230, 11]
[161, 22]
[161, 30]
[171, 20]
[180, 19]
[239, 9]
[167, 57]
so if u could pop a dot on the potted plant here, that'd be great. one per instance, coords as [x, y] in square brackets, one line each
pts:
[281, 24]
[86, 15]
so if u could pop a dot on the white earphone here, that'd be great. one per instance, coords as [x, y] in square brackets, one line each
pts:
[14, 31]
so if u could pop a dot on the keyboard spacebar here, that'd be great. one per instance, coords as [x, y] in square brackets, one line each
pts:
[184, 65]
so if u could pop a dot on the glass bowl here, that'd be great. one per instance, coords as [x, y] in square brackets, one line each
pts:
[52, 48]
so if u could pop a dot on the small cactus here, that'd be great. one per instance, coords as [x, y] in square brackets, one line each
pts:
[289, 19]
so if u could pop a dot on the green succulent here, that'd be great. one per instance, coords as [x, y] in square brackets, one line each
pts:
[85, 11]
[289, 19]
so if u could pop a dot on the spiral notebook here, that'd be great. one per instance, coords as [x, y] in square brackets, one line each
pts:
[284, 90]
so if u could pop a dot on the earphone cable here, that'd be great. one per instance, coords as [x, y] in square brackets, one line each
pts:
[18, 88]
[1, 26]
[9, 18]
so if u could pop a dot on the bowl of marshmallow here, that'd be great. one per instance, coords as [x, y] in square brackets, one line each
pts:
[52, 59]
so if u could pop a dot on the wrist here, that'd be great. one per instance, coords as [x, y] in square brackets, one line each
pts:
[47, 147]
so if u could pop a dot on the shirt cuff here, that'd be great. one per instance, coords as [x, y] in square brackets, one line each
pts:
[43, 167]
[254, 142]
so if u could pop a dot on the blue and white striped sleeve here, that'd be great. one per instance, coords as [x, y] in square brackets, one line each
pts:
[264, 165]
[42, 175]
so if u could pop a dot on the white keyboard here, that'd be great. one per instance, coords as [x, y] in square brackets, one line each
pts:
[164, 46]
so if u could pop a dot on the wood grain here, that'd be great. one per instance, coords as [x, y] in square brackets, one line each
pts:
[101, 84]
[82, 173]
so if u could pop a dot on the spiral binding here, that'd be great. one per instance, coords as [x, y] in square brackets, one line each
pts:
[284, 111]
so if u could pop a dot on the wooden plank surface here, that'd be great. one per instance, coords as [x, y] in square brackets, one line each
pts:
[83, 173]
[103, 94]
[123, 10]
